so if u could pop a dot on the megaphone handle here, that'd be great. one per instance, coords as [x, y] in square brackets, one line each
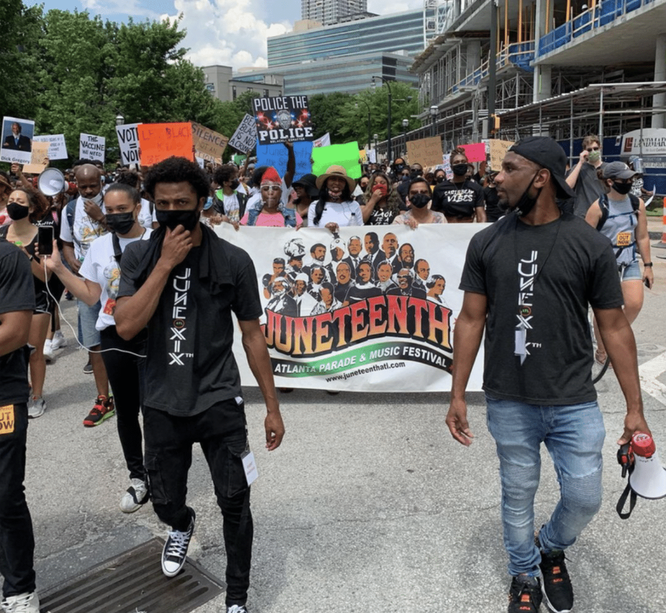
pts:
[622, 501]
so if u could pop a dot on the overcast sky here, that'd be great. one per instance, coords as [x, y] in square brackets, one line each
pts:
[228, 32]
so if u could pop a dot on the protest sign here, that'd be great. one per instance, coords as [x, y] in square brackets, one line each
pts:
[128, 141]
[425, 151]
[237, 159]
[208, 144]
[498, 149]
[57, 146]
[277, 155]
[92, 147]
[245, 136]
[372, 156]
[39, 158]
[384, 341]
[281, 119]
[475, 152]
[346, 155]
[16, 140]
[323, 141]
[159, 141]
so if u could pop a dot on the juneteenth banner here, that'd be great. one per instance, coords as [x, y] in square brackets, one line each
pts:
[372, 310]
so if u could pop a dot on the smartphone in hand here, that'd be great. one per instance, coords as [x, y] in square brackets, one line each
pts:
[45, 240]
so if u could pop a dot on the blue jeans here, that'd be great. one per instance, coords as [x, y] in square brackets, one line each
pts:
[574, 436]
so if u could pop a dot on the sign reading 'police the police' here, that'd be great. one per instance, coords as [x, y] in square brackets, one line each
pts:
[282, 119]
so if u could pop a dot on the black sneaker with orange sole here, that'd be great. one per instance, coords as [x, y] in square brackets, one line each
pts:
[102, 410]
[525, 595]
[557, 589]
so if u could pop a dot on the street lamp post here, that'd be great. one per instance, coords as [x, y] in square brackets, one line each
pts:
[120, 120]
[433, 118]
[376, 144]
[388, 129]
[369, 126]
[405, 125]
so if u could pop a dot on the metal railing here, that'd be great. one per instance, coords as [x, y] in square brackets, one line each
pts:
[600, 15]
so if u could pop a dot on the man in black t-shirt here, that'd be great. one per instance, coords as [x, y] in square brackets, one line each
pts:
[539, 269]
[177, 284]
[17, 543]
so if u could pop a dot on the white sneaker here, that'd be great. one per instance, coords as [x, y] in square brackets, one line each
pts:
[23, 603]
[49, 351]
[36, 406]
[135, 496]
[175, 549]
[59, 341]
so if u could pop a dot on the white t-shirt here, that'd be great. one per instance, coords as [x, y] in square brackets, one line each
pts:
[342, 213]
[85, 230]
[145, 217]
[100, 266]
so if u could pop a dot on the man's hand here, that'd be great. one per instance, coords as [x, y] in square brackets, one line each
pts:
[633, 422]
[92, 210]
[16, 170]
[54, 261]
[456, 420]
[274, 430]
[177, 244]
[584, 154]
[648, 277]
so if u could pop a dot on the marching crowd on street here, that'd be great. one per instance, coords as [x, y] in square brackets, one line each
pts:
[137, 250]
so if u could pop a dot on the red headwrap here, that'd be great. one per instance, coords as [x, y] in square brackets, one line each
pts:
[271, 176]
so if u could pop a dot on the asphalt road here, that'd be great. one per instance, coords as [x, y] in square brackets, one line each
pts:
[369, 506]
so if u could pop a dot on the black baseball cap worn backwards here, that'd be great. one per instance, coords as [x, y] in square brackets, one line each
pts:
[545, 152]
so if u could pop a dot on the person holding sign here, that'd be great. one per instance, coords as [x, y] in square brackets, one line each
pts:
[461, 200]
[17, 541]
[621, 217]
[176, 284]
[335, 207]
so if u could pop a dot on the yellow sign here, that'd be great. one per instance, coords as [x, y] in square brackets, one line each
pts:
[426, 151]
[7, 419]
[624, 239]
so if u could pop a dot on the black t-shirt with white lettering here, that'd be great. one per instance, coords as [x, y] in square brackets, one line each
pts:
[554, 271]
[457, 200]
[17, 293]
[189, 361]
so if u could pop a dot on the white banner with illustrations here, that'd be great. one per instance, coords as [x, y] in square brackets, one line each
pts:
[370, 311]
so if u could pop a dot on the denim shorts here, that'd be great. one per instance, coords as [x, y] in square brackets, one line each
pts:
[631, 272]
[88, 333]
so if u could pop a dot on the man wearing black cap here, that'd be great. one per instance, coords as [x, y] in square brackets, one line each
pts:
[539, 268]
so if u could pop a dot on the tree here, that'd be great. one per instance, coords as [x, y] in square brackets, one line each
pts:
[326, 114]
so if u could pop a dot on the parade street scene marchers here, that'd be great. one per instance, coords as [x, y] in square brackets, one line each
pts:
[332, 306]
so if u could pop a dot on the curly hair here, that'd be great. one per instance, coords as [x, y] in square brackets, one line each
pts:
[459, 151]
[224, 173]
[38, 203]
[178, 170]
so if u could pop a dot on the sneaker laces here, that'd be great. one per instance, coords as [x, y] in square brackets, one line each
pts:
[178, 543]
[237, 609]
[17, 604]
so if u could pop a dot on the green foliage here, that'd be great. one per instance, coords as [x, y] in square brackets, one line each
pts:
[326, 113]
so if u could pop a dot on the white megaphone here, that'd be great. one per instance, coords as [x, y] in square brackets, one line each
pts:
[51, 182]
[648, 479]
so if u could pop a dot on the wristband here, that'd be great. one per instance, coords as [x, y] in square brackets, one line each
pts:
[648, 264]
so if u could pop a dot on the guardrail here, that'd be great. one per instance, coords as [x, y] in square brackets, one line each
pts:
[600, 15]
[517, 54]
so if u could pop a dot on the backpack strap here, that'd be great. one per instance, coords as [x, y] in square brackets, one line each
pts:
[603, 205]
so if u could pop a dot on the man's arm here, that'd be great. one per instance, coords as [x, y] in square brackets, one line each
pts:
[572, 177]
[621, 347]
[291, 164]
[14, 330]
[83, 289]
[133, 313]
[254, 343]
[466, 342]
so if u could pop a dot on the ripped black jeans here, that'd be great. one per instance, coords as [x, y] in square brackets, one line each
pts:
[222, 434]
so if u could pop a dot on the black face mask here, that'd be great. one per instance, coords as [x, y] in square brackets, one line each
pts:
[526, 203]
[17, 211]
[415, 173]
[172, 219]
[620, 188]
[234, 184]
[419, 200]
[459, 170]
[120, 223]
[439, 178]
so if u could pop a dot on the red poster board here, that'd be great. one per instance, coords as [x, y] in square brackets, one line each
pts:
[475, 152]
[158, 141]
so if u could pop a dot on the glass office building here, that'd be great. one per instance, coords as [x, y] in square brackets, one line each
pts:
[331, 11]
[388, 33]
[350, 74]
